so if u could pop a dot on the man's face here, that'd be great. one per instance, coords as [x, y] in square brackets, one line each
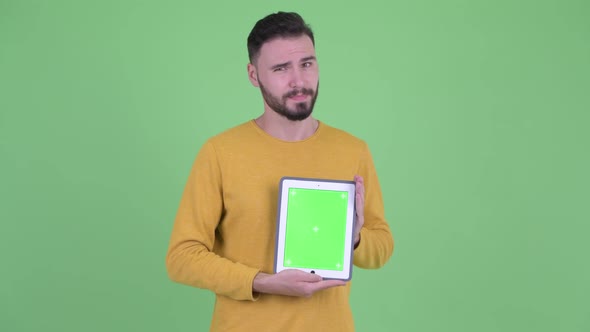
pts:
[287, 73]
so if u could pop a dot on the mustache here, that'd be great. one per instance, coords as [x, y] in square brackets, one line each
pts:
[295, 92]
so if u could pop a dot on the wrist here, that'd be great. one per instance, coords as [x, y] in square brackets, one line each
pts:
[259, 282]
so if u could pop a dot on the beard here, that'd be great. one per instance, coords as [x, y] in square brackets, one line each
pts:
[301, 111]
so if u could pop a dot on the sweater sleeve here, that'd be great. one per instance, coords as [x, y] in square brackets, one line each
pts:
[376, 241]
[190, 259]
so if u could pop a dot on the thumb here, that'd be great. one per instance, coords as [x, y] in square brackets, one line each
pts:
[310, 277]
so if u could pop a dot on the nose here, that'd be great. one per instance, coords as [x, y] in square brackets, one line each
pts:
[296, 78]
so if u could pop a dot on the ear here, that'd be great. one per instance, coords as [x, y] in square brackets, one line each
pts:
[252, 75]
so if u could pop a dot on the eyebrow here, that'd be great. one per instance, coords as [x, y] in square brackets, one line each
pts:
[284, 64]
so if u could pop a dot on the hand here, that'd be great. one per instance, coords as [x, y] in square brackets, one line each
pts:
[360, 208]
[292, 283]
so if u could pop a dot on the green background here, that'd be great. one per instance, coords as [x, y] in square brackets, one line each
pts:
[476, 113]
[318, 248]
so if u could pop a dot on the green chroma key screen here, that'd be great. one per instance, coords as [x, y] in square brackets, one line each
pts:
[315, 229]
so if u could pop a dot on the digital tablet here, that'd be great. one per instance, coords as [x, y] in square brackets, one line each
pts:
[315, 225]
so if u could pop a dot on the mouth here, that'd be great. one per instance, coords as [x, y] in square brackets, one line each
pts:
[299, 97]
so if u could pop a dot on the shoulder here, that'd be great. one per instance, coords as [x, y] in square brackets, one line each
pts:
[342, 137]
[234, 134]
[233, 139]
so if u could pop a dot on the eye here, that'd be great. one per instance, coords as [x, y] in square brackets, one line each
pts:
[278, 69]
[306, 64]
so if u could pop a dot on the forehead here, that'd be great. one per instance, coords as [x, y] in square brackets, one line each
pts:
[286, 49]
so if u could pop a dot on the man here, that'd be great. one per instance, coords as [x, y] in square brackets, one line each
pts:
[224, 234]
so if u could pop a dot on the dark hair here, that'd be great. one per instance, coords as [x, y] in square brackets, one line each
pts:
[279, 25]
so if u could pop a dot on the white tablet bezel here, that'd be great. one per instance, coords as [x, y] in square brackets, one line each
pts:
[306, 183]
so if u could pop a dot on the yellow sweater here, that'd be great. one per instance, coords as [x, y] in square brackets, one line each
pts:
[224, 232]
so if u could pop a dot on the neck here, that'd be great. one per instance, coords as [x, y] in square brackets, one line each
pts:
[284, 129]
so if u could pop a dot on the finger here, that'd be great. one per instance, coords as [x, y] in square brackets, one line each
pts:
[360, 204]
[358, 179]
[362, 186]
[297, 275]
[327, 284]
[359, 184]
[309, 277]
